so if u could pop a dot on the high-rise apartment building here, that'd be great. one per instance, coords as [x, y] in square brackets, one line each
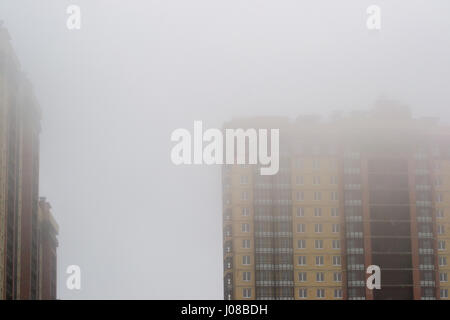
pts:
[48, 243]
[19, 179]
[364, 189]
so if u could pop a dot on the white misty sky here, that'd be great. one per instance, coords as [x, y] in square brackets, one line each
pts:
[113, 92]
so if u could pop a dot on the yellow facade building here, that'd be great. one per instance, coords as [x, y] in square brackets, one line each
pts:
[350, 193]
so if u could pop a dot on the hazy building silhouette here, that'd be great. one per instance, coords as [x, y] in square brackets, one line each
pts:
[363, 189]
[19, 179]
[48, 243]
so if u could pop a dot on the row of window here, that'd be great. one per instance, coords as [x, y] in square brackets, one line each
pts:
[300, 212]
[334, 212]
[299, 180]
[318, 244]
[318, 228]
[301, 227]
[300, 196]
[320, 276]
[320, 293]
[319, 260]
[302, 260]
[303, 293]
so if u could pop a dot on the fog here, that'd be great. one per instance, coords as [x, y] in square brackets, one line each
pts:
[112, 93]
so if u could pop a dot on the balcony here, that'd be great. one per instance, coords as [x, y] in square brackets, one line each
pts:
[353, 218]
[427, 283]
[425, 235]
[424, 219]
[355, 250]
[264, 234]
[356, 283]
[426, 267]
[355, 267]
[353, 202]
[354, 234]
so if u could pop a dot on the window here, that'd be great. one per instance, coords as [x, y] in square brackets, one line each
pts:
[300, 196]
[246, 244]
[338, 293]
[337, 277]
[441, 229]
[301, 244]
[440, 197]
[245, 212]
[316, 164]
[336, 228]
[317, 196]
[316, 180]
[247, 293]
[317, 212]
[244, 195]
[299, 180]
[441, 244]
[303, 293]
[444, 293]
[302, 260]
[299, 163]
[438, 181]
[318, 244]
[334, 196]
[334, 212]
[246, 260]
[318, 228]
[245, 227]
[300, 212]
[301, 227]
[336, 244]
[302, 277]
[442, 261]
[336, 260]
[440, 213]
[244, 179]
[320, 293]
[443, 277]
[333, 180]
[320, 277]
[319, 260]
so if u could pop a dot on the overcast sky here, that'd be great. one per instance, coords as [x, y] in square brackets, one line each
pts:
[112, 93]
